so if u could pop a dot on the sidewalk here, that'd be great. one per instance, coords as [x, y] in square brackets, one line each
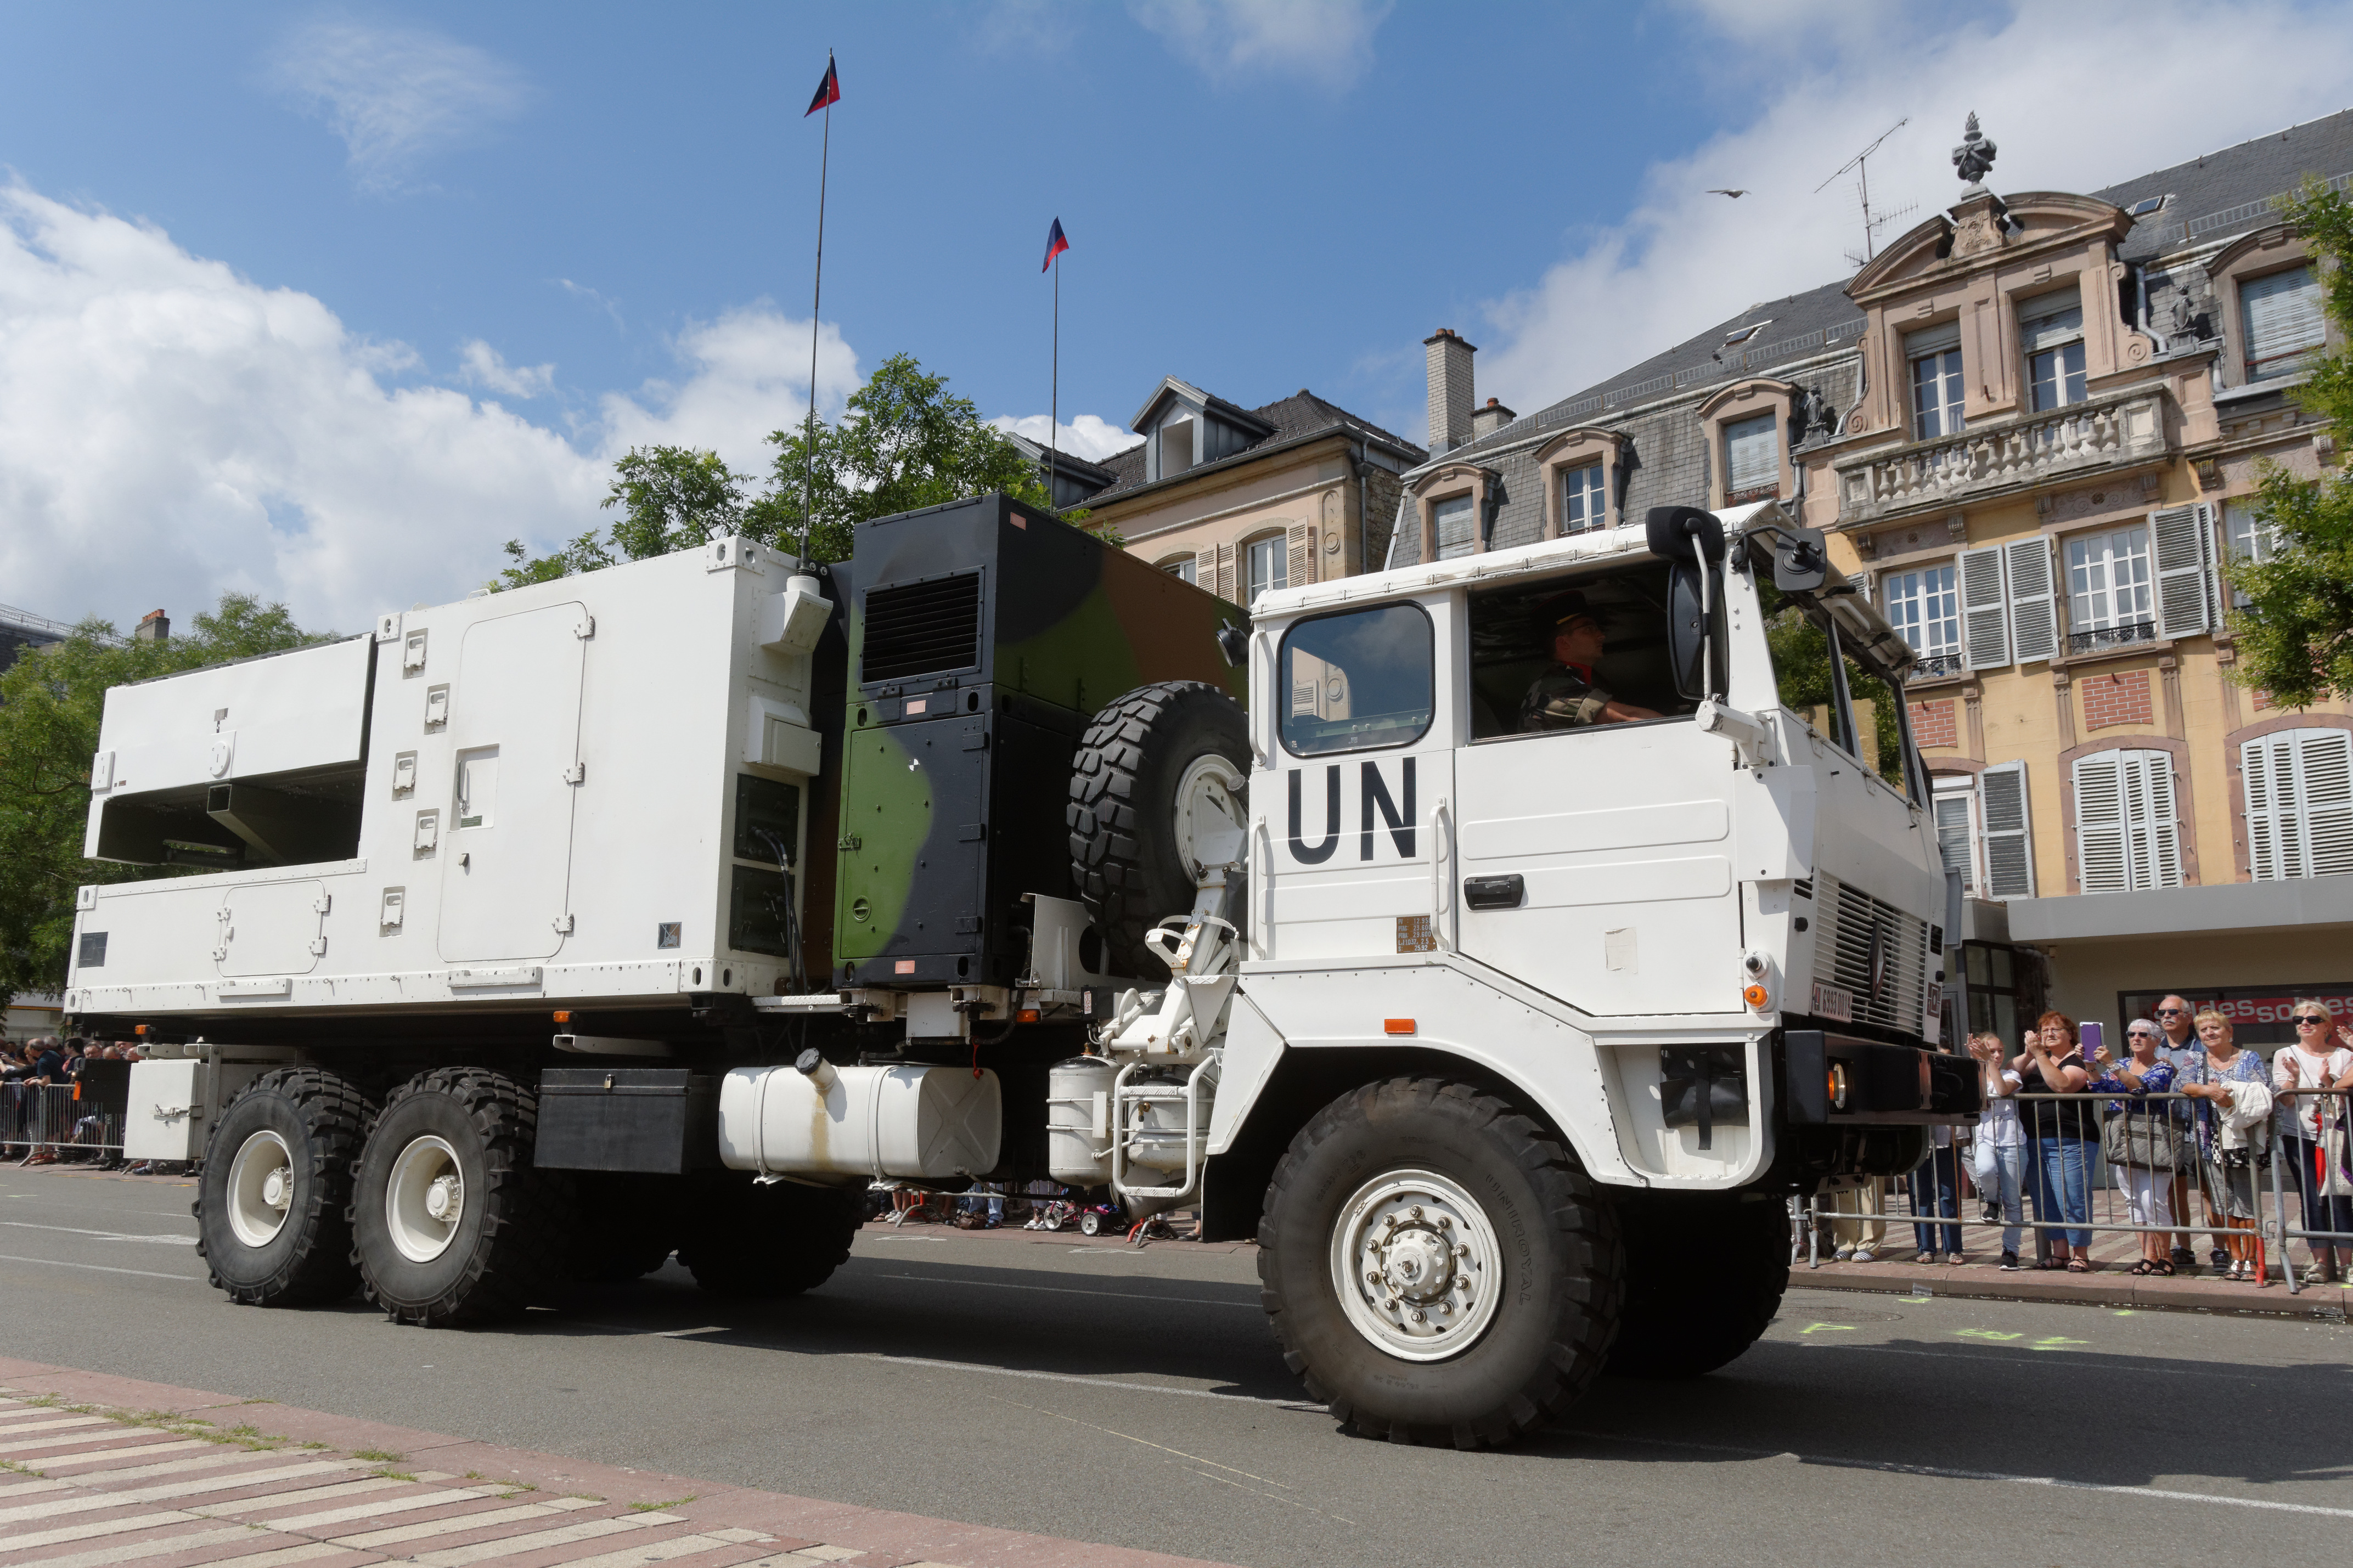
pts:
[2109, 1286]
[99, 1471]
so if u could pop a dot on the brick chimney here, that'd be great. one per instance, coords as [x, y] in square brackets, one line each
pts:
[153, 627]
[1490, 418]
[1449, 389]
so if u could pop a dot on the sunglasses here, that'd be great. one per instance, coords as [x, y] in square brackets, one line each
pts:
[2171, 1012]
[2142, 1034]
[2312, 1018]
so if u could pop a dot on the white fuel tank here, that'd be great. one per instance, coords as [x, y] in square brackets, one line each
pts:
[929, 1122]
[1078, 1121]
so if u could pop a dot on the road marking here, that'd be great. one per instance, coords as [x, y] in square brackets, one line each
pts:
[1091, 1382]
[1941, 1473]
[689, 1334]
[84, 1531]
[100, 1268]
[88, 1456]
[201, 1462]
[1071, 1290]
[162, 1546]
[103, 1235]
[46, 1426]
[308, 1495]
[587, 1529]
[374, 1510]
[272, 1559]
[368, 1540]
[90, 1501]
[657, 1552]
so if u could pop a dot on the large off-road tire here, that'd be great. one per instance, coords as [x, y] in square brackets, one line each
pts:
[761, 1242]
[1403, 1195]
[1150, 771]
[450, 1222]
[271, 1207]
[1704, 1275]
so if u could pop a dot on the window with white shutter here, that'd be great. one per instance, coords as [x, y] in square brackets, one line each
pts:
[2253, 536]
[2127, 834]
[1225, 574]
[1752, 459]
[2109, 600]
[2299, 785]
[1298, 544]
[2281, 316]
[2034, 606]
[2004, 818]
[1925, 613]
[1957, 829]
[1985, 608]
[2184, 536]
[1268, 561]
[1184, 568]
[1458, 531]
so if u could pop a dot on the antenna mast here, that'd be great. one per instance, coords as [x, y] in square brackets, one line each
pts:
[1871, 225]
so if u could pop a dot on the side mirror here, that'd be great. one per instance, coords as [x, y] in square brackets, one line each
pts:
[1801, 561]
[1233, 644]
[1671, 532]
[1687, 631]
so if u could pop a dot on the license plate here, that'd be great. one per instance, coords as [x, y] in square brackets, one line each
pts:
[1833, 1002]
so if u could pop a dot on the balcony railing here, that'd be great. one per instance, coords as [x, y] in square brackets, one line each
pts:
[1930, 666]
[2015, 453]
[2111, 636]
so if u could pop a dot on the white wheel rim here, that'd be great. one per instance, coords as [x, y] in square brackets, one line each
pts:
[425, 1199]
[1416, 1265]
[260, 1189]
[1210, 820]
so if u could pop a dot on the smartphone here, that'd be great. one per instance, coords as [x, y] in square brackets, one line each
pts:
[2090, 1038]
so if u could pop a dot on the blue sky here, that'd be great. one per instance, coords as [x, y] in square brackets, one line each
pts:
[325, 302]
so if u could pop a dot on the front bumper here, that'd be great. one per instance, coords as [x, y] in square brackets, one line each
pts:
[1839, 1081]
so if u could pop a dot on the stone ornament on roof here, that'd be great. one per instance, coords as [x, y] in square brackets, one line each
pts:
[1974, 157]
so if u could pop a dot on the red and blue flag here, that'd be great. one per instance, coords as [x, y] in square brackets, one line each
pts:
[1055, 244]
[828, 91]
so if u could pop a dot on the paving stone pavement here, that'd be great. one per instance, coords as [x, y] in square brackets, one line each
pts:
[109, 1472]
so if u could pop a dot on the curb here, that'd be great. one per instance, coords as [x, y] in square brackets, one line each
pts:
[2325, 1303]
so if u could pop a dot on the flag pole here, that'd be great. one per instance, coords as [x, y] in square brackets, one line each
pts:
[816, 300]
[1054, 400]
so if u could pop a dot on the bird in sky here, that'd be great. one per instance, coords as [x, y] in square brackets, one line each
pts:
[1720, 190]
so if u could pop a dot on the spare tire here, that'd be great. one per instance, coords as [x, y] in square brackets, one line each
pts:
[1154, 770]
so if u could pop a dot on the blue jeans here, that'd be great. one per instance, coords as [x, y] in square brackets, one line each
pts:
[2061, 1175]
[2010, 1174]
[1936, 1193]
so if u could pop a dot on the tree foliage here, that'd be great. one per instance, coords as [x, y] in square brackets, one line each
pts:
[51, 700]
[903, 442]
[1802, 669]
[2295, 636]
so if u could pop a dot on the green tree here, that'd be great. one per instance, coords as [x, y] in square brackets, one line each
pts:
[51, 701]
[2295, 635]
[904, 441]
[1801, 669]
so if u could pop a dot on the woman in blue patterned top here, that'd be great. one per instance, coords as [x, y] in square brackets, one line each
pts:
[2142, 1131]
[2228, 1164]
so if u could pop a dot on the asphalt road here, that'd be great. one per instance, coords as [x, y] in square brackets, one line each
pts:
[1135, 1398]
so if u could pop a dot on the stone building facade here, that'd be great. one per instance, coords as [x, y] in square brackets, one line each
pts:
[2031, 426]
[1241, 499]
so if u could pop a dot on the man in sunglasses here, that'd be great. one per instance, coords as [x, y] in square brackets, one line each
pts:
[2183, 1047]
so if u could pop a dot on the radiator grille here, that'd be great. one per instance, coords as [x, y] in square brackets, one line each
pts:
[1844, 930]
[921, 629]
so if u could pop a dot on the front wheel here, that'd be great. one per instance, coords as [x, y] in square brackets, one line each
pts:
[271, 1207]
[1706, 1273]
[1437, 1267]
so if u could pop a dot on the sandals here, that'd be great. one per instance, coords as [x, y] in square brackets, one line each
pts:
[2151, 1266]
[2078, 1266]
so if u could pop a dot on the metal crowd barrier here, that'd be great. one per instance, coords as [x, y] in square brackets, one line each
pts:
[61, 1120]
[2146, 1164]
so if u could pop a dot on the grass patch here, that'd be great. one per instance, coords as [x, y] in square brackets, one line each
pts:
[243, 1435]
[14, 1468]
[390, 1475]
[585, 1497]
[379, 1456]
[658, 1507]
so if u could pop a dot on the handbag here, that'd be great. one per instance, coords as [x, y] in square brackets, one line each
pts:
[2147, 1142]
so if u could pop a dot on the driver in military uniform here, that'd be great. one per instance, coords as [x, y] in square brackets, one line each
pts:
[1567, 697]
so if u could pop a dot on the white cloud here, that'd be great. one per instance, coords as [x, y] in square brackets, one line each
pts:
[169, 429]
[1086, 437]
[1684, 259]
[482, 365]
[1329, 42]
[395, 96]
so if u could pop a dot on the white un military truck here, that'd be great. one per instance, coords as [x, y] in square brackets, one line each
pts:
[665, 909]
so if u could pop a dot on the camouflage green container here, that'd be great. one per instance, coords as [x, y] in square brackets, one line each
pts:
[983, 635]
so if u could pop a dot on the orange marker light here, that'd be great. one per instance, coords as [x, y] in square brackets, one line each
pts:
[140, 1029]
[1397, 1025]
[1753, 996]
[1029, 1014]
[563, 1017]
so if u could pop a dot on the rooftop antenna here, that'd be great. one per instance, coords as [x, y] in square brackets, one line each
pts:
[1871, 224]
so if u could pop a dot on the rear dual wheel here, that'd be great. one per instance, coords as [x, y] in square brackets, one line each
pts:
[271, 1206]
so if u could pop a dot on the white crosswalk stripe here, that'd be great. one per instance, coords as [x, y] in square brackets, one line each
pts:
[132, 1552]
[278, 1556]
[89, 1501]
[457, 1523]
[655, 1552]
[86, 1456]
[64, 1533]
[59, 1424]
[308, 1495]
[586, 1529]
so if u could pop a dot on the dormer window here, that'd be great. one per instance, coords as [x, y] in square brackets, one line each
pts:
[2281, 317]
[1752, 459]
[1175, 440]
[1584, 504]
[2051, 333]
[1458, 528]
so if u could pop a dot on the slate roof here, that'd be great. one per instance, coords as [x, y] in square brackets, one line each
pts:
[1299, 418]
[2217, 194]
